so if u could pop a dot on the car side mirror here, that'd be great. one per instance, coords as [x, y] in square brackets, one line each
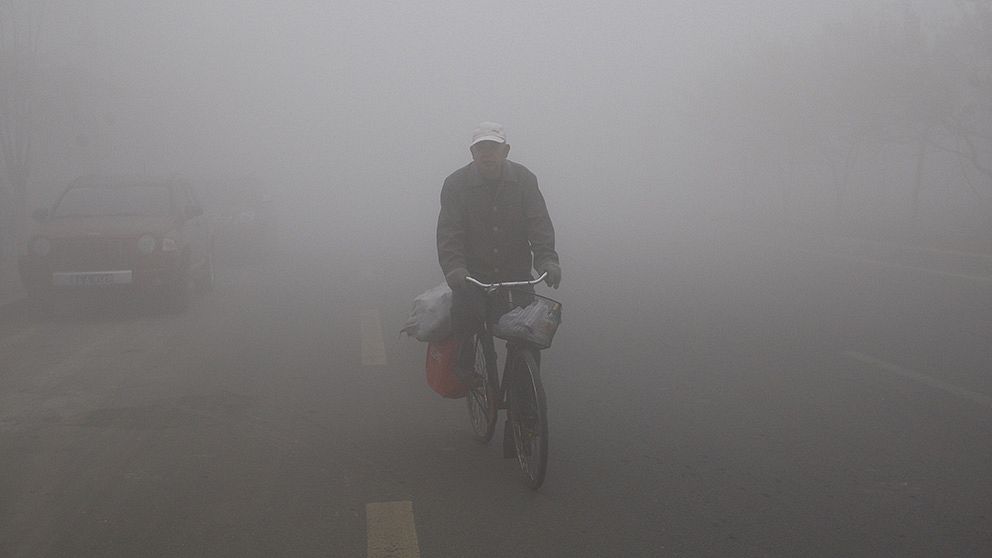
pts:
[40, 214]
[193, 211]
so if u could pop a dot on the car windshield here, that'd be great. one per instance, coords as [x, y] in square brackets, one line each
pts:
[143, 200]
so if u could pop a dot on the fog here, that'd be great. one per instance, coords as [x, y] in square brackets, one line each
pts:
[655, 116]
[774, 221]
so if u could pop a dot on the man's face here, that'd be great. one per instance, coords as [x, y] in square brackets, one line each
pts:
[489, 157]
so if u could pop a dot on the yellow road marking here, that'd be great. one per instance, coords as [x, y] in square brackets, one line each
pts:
[373, 347]
[392, 532]
[972, 396]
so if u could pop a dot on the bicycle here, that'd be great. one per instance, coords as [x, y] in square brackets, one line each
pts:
[519, 391]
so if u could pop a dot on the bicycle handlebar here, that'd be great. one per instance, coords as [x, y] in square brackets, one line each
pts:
[494, 286]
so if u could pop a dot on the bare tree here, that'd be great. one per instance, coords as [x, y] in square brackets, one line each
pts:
[967, 50]
[965, 53]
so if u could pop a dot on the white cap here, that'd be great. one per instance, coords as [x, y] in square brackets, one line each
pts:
[488, 131]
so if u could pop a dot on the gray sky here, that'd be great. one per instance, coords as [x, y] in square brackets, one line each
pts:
[352, 108]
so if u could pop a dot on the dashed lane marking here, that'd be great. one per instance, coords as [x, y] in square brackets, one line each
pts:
[969, 395]
[373, 347]
[391, 530]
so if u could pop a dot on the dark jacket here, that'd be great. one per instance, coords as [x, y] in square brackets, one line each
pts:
[492, 228]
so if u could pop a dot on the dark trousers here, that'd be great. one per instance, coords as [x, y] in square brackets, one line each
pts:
[470, 306]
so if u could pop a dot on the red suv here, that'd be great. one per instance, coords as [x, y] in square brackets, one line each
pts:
[106, 234]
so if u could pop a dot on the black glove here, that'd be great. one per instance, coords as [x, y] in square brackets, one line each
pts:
[456, 278]
[554, 274]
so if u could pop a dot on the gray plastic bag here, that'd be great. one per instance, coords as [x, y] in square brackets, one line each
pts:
[535, 323]
[430, 319]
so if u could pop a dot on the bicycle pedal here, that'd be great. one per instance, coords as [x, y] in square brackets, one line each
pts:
[509, 446]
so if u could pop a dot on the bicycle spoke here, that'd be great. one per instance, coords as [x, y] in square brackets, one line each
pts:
[481, 407]
[529, 422]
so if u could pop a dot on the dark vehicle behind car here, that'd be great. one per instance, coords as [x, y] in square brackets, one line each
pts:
[120, 235]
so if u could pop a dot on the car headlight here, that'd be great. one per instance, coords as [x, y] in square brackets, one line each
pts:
[146, 244]
[169, 245]
[41, 246]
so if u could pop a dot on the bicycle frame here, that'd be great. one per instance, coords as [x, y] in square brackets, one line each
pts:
[512, 354]
[512, 347]
[518, 390]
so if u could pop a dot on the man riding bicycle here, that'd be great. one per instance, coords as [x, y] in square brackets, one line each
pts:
[493, 226]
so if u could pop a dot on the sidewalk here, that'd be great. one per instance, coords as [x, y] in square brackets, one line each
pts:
[962, 261]
[932, 240]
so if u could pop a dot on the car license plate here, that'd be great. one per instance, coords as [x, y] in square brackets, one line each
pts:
[91, 278]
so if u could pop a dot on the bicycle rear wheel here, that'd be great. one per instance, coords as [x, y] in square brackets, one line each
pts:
[481, 399]
[528, 416]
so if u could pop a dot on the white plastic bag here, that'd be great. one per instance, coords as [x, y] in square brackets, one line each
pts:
[536, 323]
[430, 319]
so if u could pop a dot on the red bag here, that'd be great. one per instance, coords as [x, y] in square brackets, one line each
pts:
[441, 359]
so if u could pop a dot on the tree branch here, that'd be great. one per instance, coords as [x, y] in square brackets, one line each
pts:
[967, 179]
[951, 150]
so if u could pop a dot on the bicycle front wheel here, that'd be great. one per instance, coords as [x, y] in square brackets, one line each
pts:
[528, 416]
[481, 398]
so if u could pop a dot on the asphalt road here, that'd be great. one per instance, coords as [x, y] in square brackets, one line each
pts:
[763, 398]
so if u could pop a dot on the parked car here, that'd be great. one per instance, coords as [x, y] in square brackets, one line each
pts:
[120, 235]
